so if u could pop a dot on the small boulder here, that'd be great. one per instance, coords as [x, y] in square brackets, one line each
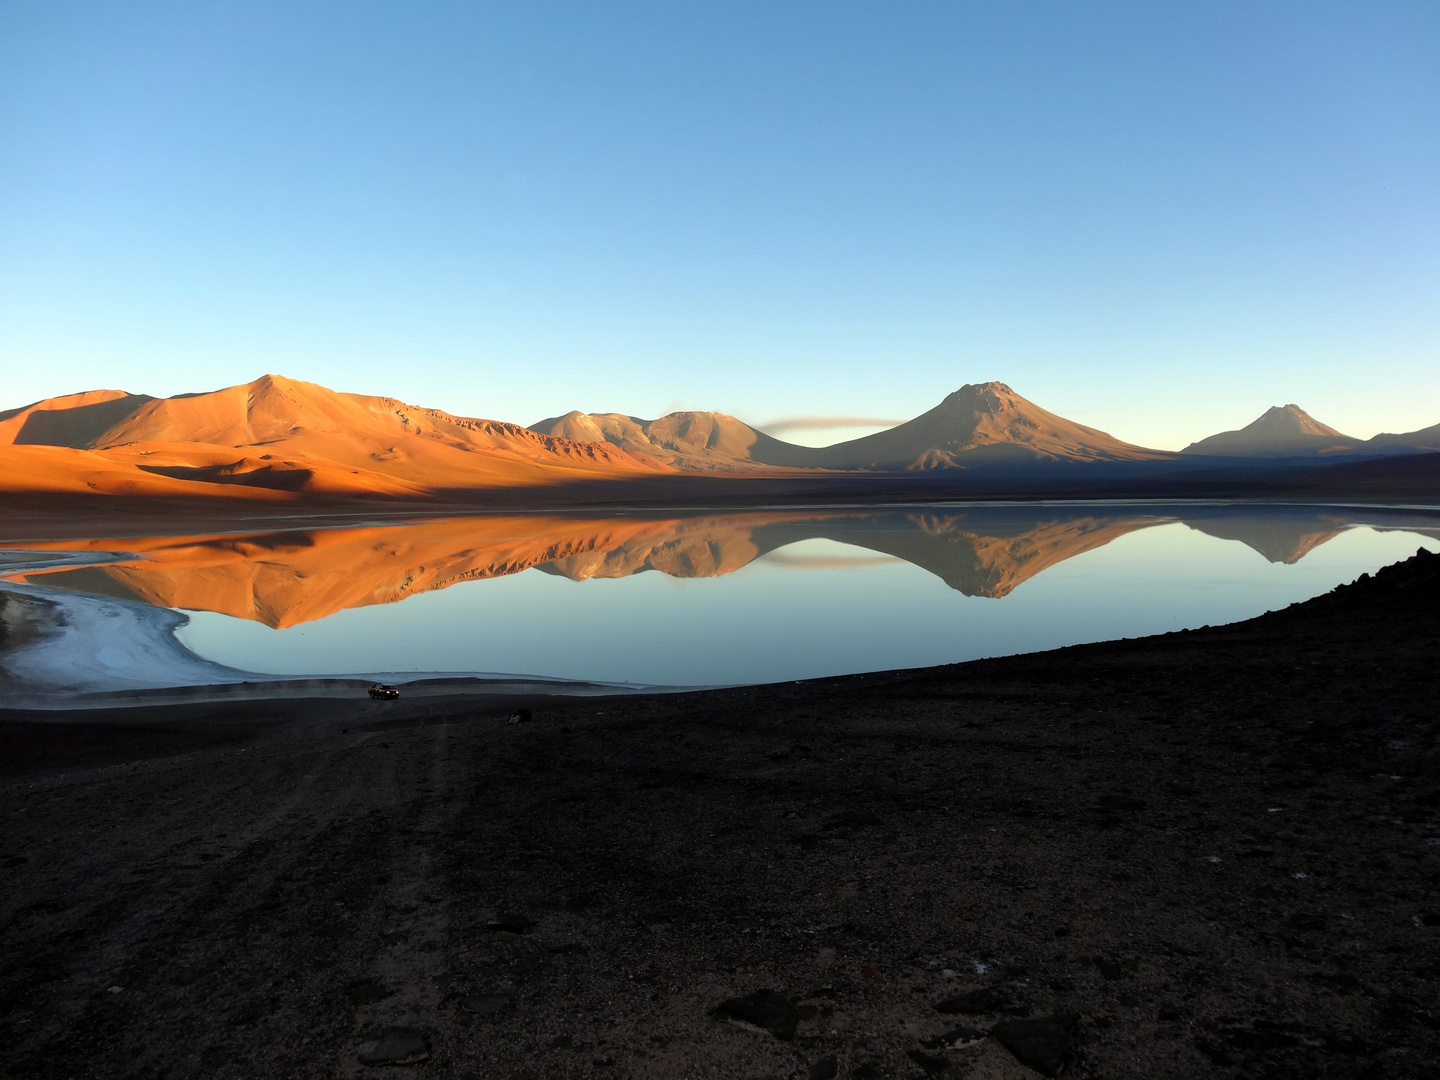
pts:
[1042, 1043]
[398, 1046]
[764, 1009]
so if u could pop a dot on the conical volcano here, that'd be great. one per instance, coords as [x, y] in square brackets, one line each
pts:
[1281, 431]
[984, 423]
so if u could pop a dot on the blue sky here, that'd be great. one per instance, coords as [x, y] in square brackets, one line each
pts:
[1158, 219]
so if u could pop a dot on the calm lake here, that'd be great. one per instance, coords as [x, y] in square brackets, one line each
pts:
[712, 598]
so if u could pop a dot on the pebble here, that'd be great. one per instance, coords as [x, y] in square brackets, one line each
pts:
[1041, 1043]
[764, 1009]
[398, 1046]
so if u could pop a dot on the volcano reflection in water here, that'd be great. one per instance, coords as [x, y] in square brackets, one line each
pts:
[870, 600]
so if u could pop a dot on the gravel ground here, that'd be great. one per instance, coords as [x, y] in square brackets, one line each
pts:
[1207, 853]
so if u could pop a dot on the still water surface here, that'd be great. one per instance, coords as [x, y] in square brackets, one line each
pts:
[701, 599]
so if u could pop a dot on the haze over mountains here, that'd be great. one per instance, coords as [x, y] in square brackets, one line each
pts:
[279, 439]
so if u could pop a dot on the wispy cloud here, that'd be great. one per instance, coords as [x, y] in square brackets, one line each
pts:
[819, 423]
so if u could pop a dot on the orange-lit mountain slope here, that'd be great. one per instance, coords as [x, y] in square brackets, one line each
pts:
[280, 435]
[697, 441]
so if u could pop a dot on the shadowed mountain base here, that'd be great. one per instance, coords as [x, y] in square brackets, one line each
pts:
[1217, 849]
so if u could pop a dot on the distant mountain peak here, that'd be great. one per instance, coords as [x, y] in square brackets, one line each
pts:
[1280, 431]
[1291, 418]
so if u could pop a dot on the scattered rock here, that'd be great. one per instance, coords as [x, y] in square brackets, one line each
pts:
[1041, 1043]
[827, 1068]
[511, 922]
[973, 1002]
[398, 1046]
[486, 1004]
[764, 1009]
[367, 991]
[519, 716]
[959, 1038]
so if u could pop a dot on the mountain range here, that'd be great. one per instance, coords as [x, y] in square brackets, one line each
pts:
[278, 439]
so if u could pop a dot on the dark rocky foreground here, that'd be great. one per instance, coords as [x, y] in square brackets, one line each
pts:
[1209, 853]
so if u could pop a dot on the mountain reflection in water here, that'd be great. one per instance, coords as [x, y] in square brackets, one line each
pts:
[284, 579]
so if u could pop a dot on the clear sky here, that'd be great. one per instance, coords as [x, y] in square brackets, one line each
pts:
[1156, 218]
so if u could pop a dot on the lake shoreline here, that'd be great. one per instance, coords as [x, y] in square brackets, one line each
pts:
[1214, 848]
[180, 616]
